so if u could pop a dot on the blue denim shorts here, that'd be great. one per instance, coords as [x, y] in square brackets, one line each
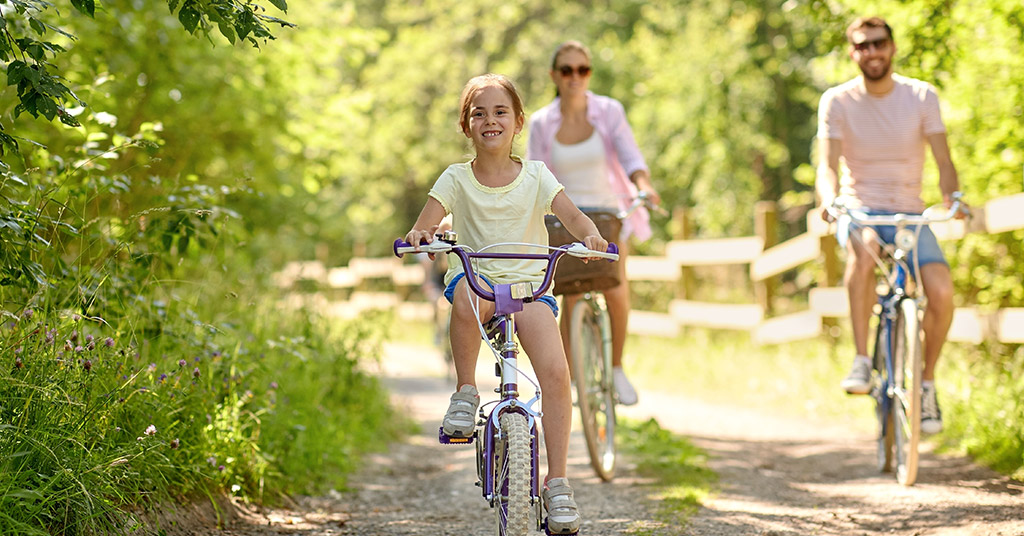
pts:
[449, 293]
[928, 250]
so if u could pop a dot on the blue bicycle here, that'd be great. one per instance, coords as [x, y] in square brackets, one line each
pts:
[899, 340]
[506, 435]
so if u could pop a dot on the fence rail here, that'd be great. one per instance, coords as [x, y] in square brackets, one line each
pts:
[826, 302]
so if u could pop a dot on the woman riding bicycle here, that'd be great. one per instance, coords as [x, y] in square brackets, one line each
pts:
[495, 198]
[587, 143]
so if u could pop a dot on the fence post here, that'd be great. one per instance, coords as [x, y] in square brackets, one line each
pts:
[684, 231]
[765, 223]
[832, 277]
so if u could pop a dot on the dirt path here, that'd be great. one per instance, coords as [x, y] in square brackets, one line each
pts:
[778, 477]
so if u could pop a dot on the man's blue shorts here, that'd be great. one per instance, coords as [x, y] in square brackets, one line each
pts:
[449, 293]
[928, 250]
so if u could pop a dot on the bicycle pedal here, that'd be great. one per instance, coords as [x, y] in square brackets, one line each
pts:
[544, 527]
[446, 439]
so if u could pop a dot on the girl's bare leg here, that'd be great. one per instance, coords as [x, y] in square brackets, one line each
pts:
[540, 340]
[464, 333]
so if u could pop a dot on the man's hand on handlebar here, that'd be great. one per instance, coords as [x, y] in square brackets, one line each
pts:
[964, 210]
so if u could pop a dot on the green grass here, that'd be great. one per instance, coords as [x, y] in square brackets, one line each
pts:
[679, 470]
[798, 379]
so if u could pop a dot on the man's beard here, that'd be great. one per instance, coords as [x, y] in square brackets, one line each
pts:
[882, 73]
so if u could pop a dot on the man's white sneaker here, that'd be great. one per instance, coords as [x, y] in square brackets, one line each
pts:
[931, 415]
[858, 381]
[624, 389]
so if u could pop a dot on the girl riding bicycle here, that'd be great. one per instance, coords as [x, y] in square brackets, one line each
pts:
[498, 197]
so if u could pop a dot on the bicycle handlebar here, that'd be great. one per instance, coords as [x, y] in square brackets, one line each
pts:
[837, 209]
[641, 200]
[575, 249]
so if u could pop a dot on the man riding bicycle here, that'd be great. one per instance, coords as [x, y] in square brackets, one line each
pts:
[878, 125]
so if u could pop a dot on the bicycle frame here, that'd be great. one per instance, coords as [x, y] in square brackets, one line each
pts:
[500, 332]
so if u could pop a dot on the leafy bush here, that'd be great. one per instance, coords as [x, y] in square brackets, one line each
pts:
[144, 358]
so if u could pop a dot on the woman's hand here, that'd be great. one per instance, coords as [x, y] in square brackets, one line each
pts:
[642, 180]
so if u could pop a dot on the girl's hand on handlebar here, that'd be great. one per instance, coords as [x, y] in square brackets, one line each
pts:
[416, 236]
[596, 243]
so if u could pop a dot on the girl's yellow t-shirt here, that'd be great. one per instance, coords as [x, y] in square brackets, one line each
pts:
[482, 216]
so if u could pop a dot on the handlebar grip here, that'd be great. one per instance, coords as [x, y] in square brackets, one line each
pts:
[612, 248]
[399, 243]
[402, 244]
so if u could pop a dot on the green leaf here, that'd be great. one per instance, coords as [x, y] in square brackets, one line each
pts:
[46, 106]
[189, 18]
[87, 7]
[15, 72]
[227, 31]
[280, 4]
[37, 26]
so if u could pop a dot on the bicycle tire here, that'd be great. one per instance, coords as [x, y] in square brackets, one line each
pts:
[906, 402]
[512, 466]
[880, 393]
[595, 392]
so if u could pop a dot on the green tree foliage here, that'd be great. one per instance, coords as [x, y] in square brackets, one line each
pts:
[326, 142]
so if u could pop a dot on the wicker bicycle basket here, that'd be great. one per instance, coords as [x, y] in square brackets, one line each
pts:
[572, 276]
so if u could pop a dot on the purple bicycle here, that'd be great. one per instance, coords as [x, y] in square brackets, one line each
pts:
[506, 435]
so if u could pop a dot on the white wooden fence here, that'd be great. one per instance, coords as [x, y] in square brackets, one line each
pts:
[825, 302]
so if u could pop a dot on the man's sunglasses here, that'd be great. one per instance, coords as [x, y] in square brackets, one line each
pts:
[567, 70]
[878, 44]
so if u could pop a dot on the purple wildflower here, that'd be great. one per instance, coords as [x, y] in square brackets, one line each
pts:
[220, 468]
[91, 346]
[67, 346]
[17, 362]
[87, 365]
[196, 372]
[273, 385]
[50, 336]
[211, 460]
[151, 430]
[79, 349]
[152, 367]
[182, 362]
[162, 378]
[175, 443]
[74, 336]
[27, 314]
[88, 338]
[108, 342]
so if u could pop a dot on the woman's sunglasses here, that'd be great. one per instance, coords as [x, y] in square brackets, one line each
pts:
[567, 70]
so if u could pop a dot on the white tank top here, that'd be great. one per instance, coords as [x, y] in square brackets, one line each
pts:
[582, 169]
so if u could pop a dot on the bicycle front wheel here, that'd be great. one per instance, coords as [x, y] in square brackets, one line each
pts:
[512, 466]
[595, 393]
[906, 400]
